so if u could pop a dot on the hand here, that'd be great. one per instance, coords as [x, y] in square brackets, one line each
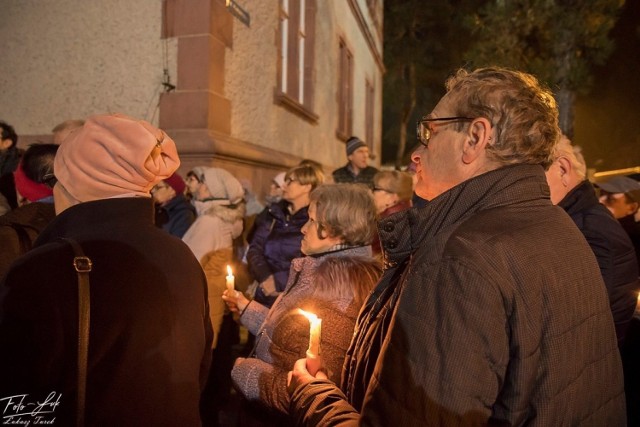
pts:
[300, 376]
[269, 286]
[235, 300]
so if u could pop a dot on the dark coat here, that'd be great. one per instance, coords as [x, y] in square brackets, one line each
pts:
[345, 175]
[632, 228]
[275, 243]
[399, 207]
[19, 229]
[176, 216]
[150, 334]
[492, 310]
[613, 250]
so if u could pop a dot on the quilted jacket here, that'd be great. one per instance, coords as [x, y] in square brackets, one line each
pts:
[492, 311]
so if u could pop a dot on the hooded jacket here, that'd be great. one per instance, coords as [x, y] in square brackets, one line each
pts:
[492, 310]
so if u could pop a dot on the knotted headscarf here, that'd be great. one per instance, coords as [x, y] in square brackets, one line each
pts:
[114, 156]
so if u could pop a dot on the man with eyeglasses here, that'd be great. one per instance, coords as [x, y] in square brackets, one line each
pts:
[492, 309]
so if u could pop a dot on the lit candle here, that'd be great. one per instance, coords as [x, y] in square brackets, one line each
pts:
[230, 280]
[313, 353]
[638, 304]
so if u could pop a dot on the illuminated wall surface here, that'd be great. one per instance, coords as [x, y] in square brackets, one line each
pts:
[66, 59]
[70, 58]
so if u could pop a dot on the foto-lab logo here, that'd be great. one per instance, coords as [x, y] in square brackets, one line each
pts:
[22, 410]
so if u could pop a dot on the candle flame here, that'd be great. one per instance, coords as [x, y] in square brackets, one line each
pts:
[312, 317]
[229, 272]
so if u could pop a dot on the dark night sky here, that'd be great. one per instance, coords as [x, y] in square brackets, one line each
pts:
[607, 120]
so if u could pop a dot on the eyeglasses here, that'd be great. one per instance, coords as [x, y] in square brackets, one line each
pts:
[49, 180]
[424, 132]
[289, 180]
[381, 189]
[612, 197]
[158, 187]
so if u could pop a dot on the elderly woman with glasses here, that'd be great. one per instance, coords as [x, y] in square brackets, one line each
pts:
[340, 227]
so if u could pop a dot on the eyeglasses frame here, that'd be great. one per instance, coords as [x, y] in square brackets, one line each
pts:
[423, 133]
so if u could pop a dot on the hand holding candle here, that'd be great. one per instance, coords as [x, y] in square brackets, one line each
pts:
[313, 352]
[230, 280]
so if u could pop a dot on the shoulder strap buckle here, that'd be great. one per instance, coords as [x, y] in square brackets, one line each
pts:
[82, 264]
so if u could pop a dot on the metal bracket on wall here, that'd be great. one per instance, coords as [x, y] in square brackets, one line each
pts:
[237, 11]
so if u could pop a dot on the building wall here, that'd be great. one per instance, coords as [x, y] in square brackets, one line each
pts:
[251, 78]
[67, 59]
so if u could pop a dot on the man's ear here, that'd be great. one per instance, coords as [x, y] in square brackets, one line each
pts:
[565, 168]
[478, 139]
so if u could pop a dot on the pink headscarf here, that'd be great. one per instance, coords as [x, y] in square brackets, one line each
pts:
[114, 155]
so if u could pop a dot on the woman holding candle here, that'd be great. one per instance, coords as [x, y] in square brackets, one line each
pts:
[276, 239]
[331, 282]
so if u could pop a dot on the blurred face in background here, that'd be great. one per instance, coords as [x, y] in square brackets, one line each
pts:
[383, 197]
[275, 191]
[359, 158]
[619, 204]
[294, 191]
[162, 193]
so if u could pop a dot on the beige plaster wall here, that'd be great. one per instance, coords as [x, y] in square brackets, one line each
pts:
[72, 58]
[250, 81]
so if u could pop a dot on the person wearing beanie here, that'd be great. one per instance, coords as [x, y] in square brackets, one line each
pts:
[150, 333]
[174, 214]
[357, 170]
[218, 198]
[20, 227]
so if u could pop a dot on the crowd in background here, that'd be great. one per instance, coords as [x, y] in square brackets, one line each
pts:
[450, 293]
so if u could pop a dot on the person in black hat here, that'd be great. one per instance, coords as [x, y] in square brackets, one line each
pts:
[357, 170]
[621, 195]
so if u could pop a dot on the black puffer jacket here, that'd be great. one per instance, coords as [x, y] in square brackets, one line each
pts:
[275, 243]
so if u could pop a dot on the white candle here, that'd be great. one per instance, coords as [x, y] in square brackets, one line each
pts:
[314, 333]
[230, 280]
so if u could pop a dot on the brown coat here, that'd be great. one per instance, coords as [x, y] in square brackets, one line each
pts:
[19, 229]
[492, 311]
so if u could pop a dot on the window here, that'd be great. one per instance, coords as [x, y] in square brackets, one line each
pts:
[296, 53]
[345, 92]
[369, 113]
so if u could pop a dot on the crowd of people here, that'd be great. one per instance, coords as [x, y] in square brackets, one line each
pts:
[491, 284]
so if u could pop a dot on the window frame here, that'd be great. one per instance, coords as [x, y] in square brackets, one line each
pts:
[296, 52]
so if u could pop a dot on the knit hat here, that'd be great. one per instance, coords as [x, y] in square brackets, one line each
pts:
[29, 189]
[176, 182]
[221, 184]
[114, 155]
[353, 144]
[622, 184]
[279, 179]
